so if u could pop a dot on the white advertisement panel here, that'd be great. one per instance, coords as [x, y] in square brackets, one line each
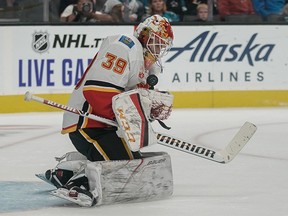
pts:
[51, 59]
[48, 59]
[227, 58]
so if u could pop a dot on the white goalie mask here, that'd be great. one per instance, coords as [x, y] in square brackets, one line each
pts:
[156, 35]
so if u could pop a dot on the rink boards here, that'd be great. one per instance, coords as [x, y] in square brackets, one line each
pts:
[208, 66]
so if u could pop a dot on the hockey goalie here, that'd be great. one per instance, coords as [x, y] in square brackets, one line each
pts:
[109, 165]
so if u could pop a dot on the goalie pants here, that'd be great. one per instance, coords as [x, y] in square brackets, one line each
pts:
[102, 144]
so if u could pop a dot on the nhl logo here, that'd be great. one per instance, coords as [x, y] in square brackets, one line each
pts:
[40, 42]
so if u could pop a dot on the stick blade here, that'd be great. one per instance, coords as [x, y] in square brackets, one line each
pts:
[239, 141]
[28, 96]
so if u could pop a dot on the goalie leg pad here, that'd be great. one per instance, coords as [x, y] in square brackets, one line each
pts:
[138, 180]
[134, 125]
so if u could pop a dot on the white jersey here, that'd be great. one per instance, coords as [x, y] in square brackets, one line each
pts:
[69, 10]
[118, 66]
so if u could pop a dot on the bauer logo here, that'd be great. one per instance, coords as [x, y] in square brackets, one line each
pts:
[207, 47]
[40, 42]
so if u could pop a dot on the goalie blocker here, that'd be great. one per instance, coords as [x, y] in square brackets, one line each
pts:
[120, 181]
[135, 109]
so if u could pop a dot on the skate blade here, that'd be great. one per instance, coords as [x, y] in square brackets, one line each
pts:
[43, 178]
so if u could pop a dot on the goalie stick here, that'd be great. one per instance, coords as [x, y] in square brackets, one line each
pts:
[221, 156]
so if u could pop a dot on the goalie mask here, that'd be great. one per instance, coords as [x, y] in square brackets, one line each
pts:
[156, 36]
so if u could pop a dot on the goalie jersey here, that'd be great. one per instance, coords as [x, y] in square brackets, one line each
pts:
[117, 67]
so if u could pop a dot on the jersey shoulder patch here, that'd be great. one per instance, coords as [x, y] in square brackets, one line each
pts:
[127, 41]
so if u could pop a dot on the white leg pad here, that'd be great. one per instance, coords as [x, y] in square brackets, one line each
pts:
[73, 161]
[138, 180]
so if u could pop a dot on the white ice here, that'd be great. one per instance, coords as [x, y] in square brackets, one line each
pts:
[255, 183]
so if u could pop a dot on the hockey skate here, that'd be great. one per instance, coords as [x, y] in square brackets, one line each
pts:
[57, 178]
[76, 190]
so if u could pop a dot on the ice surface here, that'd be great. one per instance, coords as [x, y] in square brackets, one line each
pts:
[254, 183]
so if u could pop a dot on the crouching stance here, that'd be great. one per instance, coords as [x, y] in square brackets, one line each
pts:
[109, 182]
[147, 177]
[109, 166]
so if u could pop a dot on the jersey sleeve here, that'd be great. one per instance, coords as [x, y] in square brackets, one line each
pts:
[67, 11]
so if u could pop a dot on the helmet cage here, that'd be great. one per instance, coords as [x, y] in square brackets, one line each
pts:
[157, 46]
